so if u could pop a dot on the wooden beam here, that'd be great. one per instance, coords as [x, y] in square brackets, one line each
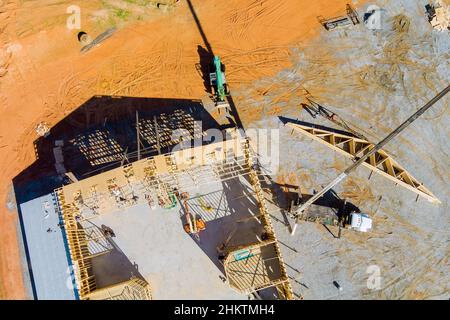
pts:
[158, 145]
[402, 177]
[138, 137]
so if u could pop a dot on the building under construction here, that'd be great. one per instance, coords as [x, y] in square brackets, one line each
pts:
[184, 224]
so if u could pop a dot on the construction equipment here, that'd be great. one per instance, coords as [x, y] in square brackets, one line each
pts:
[333, 212]
[354, 221]
[341, 21]
[194, 225]
[352, 147]
[218, 81]
[371, 152]
[360, 222]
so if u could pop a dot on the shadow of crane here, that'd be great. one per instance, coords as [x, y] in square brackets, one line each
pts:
[206, 55]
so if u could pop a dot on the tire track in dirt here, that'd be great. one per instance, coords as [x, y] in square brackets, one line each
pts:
[12, 287]
[137, 71]
[240, 20]
[243, 66]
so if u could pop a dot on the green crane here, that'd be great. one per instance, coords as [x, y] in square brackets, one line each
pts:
[218, 81]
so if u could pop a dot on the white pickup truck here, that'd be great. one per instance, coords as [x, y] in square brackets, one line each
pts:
[360, 222]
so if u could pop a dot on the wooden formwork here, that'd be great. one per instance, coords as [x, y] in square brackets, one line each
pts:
[282, 284]
[79, 252]
[160, 131]
[227, 160]
[380, 162]
[133, 289]
[258, 269]
[78, 239]
[115, 189]
[151, 173]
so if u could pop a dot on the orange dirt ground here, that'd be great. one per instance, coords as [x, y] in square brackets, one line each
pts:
[43, 75]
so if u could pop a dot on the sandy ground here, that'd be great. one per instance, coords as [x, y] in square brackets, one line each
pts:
[154, 53]
[374, 80]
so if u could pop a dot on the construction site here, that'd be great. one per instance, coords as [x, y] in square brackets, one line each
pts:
[301, 154]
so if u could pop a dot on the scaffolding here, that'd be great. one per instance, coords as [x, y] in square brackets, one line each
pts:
[133, 289]
[160, 130]
[155, 180]
[255, 267]
[78, 248]
[98, 147]
[282, 282]
[86, 241]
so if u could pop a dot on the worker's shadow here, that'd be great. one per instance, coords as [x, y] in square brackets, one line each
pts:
[205, 59]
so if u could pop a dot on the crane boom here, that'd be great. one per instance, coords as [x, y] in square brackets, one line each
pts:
[363, 158]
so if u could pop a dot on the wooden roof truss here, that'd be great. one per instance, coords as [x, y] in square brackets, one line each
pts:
[380, 162]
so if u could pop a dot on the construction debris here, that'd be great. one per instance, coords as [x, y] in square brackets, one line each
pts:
[84, 38]
[341, 21]
[89, 44]
[42, 129]
[438, 15]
